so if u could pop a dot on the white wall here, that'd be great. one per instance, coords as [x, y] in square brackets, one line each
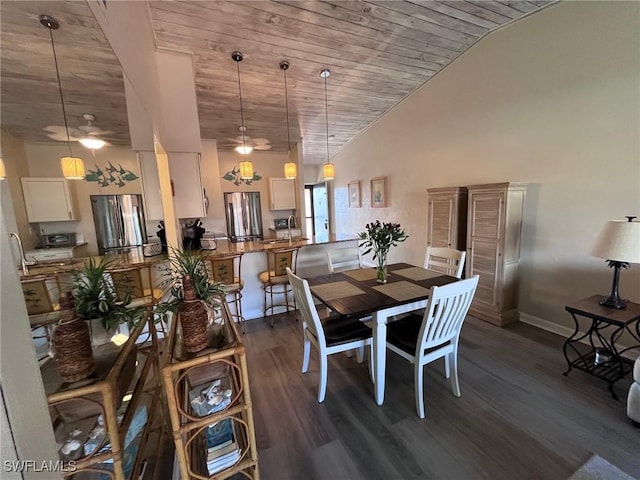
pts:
[44, 161]
[552, 100]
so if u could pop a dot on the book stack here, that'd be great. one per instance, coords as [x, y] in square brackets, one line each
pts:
[222, 448]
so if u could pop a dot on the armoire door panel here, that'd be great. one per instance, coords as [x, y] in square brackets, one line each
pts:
[441, 213]
[487, 213]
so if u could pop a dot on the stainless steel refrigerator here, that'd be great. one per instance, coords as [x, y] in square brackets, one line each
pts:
[244, 216]
[119, 222]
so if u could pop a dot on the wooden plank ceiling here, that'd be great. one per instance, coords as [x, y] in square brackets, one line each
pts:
[378, 52]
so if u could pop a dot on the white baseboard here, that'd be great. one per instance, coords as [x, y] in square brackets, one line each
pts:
[566, 332]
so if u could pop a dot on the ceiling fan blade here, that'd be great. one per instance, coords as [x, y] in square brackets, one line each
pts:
[54, 129]
[260, 141]
[262, 146]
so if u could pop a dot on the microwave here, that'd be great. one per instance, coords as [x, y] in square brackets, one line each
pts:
[59, 240]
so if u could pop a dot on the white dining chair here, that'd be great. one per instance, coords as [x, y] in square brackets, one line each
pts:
[333, 335]
[435, 335]
[340, 259]
[445, 260]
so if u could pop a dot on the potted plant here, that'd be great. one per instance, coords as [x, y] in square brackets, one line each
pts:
[379, 238]
[192, 296]
[97, 300]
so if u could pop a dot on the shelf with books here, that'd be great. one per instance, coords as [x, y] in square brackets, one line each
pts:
[210, 405]
[102, 424]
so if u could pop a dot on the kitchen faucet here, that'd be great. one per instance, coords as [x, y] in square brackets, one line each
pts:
[291, 217]
[23, 260]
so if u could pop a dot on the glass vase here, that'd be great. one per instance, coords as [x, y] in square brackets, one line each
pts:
[381, 268]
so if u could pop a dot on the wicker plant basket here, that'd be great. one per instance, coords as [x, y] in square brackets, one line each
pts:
[193, 318]
[72, 344]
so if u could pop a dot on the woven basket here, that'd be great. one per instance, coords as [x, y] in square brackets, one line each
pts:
[193, 319]
[71, 344]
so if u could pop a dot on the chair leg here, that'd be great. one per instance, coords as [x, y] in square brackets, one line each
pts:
[455, 386]
[447, 367]
[322, 391]
[418, 380]
[360, 354]
[371, 365]
[306, 353]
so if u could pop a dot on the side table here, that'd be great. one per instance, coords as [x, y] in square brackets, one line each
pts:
[601, 357]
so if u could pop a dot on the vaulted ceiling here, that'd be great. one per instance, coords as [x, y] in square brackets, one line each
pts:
[378, 53]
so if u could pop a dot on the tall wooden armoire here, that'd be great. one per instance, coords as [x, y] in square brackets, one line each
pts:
[447, 217]
[493, 249]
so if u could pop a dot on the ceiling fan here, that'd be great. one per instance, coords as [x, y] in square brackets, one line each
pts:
[89, 135]
[251, 143]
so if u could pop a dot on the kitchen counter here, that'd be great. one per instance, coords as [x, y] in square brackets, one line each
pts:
[225, 247]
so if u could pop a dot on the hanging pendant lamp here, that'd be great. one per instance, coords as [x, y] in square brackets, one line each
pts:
[290, 168]
[328, 169]
[246, 167]
[3, 171]
[72, 167]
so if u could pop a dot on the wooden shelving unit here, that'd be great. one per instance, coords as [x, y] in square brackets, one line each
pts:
[225, 359]
[123, 393]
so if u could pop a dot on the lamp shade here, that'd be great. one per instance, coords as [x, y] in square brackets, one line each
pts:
[72, 168]
[328, 171]
[246, 170]
[3, 171]
[618, 241]
[290, 170]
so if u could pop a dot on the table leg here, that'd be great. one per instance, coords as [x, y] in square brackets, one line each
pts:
[379, 357]
[568, 342]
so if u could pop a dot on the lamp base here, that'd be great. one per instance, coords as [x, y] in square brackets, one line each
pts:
[614, 302]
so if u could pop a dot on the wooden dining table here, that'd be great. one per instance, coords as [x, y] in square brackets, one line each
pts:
[357, 294]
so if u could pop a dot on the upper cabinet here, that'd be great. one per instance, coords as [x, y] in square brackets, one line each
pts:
[48, 199]
[283, 193]
[447, 219]
[186, 181]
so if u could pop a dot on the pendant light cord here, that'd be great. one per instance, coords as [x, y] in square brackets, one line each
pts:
[64, 112]
[286, 104]
[244, 145]
[326, 114]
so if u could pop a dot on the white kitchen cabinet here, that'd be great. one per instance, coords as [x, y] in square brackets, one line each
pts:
[150, 186]
[283, 194]
[48, 199]
[186, 181]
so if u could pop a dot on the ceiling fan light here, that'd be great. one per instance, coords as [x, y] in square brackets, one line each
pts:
[72, 168]
[328, 171]
[244, 149]
[290, 170]
[92, 143]
[246, 170]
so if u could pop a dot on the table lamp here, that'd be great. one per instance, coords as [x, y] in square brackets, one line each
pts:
[618, 243]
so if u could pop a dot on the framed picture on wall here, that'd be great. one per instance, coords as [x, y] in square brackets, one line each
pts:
[379, 192]
[354, 194]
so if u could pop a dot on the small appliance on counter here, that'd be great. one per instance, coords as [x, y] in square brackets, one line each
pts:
[192, 235]
[208, 241]
[52, 240]
[162, 235]
[281, 223]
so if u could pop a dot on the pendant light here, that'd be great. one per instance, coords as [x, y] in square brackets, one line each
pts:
[290, 168]
[72, 167]
[328, 169]
[3, 171]
[246, 167]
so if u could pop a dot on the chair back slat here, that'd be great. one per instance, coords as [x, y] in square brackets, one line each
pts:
[280, 259]
[343, 258]
[223, 269]
[445, 313]
[304, 302]
[127, 282]
[445, 260]
[36, 296]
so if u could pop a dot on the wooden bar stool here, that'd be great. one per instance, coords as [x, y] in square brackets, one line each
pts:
[227, 269]
[40, 308]
[275, 280]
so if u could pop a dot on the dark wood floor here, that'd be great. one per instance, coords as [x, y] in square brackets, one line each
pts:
[518, 417]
